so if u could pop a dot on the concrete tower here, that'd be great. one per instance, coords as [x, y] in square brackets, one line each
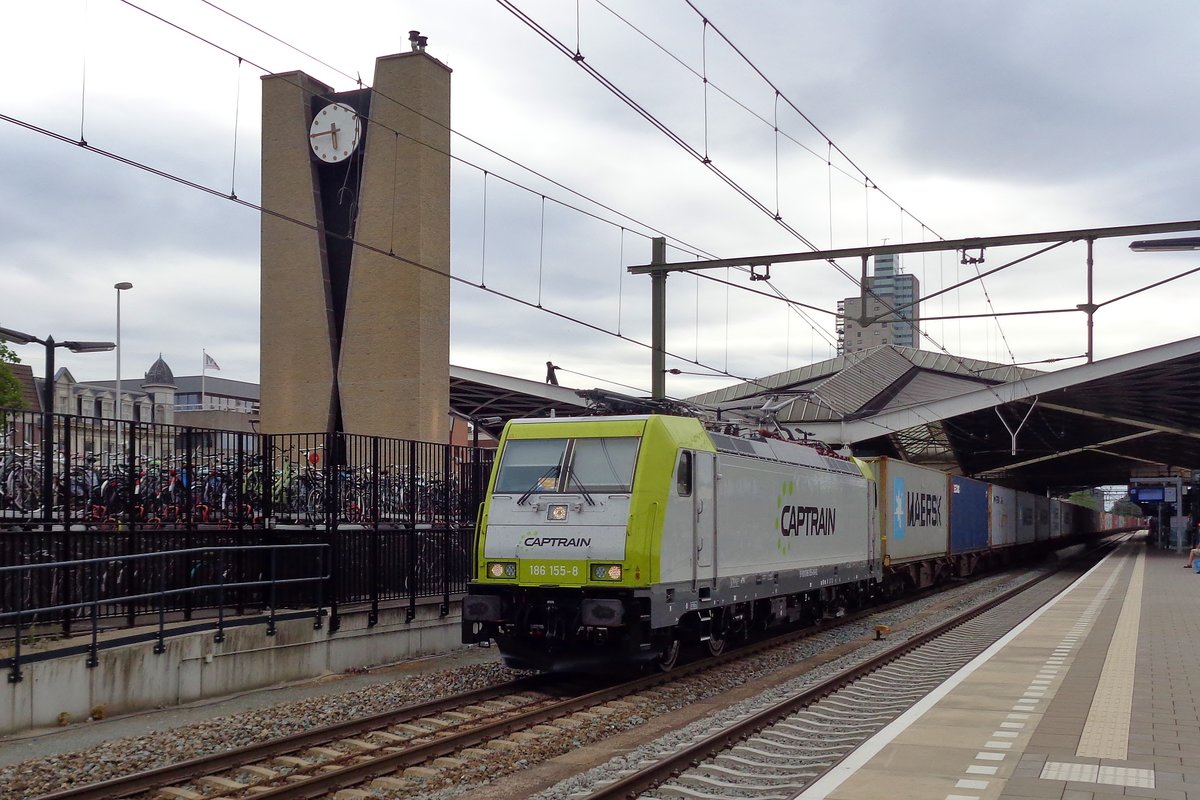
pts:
[354, 337]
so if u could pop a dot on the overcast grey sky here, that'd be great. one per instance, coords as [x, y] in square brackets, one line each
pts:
[982, 118]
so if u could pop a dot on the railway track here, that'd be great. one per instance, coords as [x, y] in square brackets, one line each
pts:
[407, 720]
[783, 747]
[398, 751]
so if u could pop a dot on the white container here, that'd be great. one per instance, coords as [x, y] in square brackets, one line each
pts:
[1026, 518]
[914, 510]
[1002, 517]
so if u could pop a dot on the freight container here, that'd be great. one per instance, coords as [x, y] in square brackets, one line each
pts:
[914, 513]
[1041, 519]
[1002, 516]
[1066, 511]
[968, 515]
[1056, 529]
[1026, 514]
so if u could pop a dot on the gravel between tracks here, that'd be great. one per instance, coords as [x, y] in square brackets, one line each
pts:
[139, 752]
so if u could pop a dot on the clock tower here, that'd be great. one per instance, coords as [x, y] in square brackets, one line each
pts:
[355, 263]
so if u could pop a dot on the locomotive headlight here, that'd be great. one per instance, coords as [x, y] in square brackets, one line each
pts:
[501, 569]
[557, 512]
[606, 572]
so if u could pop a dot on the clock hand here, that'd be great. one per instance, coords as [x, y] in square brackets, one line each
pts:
[333, 128]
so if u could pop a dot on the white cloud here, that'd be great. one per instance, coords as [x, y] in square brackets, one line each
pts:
[980, 119]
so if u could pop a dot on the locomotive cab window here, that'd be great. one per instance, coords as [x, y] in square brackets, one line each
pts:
[601, 464]
[531, 464]
[683, 479]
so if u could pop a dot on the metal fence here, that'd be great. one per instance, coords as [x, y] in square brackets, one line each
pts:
[396, 516]
[45, 594]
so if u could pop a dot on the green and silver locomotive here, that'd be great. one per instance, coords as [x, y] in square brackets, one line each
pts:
[623, 538]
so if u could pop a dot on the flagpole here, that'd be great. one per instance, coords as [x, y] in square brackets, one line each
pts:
[203, 375]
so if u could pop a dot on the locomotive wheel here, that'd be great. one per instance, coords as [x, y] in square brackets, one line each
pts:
[669, 657]
[716, 645]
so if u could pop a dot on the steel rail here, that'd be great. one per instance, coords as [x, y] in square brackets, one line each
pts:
[632, 786]
[330, 780]
[447, 742]
[229, 759]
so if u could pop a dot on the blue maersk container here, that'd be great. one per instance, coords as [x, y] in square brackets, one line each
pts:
[968, 515]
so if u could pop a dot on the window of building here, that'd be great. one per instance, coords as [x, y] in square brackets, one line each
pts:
[98, 408]
[137, 412]
[79, 405]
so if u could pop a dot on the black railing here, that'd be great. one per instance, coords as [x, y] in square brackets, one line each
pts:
[396, 516]
[43, 594]
[109, 475]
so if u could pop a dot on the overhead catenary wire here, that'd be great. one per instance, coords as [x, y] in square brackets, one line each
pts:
[868, 184]
[701, 158]
[677, 242]
[258, 207]
[558, 44]
[232, 194]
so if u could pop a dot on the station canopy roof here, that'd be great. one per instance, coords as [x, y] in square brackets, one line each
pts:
[1089, 425]
[490, 400]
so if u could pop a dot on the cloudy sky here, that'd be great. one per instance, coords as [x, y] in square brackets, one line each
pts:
[972, 119]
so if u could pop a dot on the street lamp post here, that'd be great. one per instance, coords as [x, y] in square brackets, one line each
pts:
[17, 337]
[120, 287]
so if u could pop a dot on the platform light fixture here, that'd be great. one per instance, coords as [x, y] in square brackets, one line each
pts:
[1165, 245]
[17, 337]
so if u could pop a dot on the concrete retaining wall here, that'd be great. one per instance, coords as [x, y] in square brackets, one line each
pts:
[193, 667]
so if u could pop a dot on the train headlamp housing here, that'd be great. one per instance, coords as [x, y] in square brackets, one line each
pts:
[557, 512]
[606, 572]
[501, 569]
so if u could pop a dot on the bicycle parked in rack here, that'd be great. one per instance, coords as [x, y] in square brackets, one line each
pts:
[20, 479]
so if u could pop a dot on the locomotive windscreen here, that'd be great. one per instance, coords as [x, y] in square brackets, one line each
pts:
[605, 465]
[530, 463]
[602, 464]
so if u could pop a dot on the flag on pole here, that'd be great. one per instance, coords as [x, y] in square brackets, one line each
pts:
[209, 363]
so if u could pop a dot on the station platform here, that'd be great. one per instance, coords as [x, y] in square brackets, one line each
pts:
[1095, 696]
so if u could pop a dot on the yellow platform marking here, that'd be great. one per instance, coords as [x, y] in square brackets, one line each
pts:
[1106, 732]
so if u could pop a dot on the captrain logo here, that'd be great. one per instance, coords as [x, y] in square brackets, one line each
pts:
[801, 520]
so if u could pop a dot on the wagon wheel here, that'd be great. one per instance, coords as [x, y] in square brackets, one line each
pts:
[669, 657]
[717, 634]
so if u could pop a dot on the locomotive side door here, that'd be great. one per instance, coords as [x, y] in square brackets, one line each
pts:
[704, 516]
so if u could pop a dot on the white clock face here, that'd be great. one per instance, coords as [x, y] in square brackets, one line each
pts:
[334, 132]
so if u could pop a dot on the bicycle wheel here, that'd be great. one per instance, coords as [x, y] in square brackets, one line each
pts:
[314, 506]
[252, 492]
[25, 489]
